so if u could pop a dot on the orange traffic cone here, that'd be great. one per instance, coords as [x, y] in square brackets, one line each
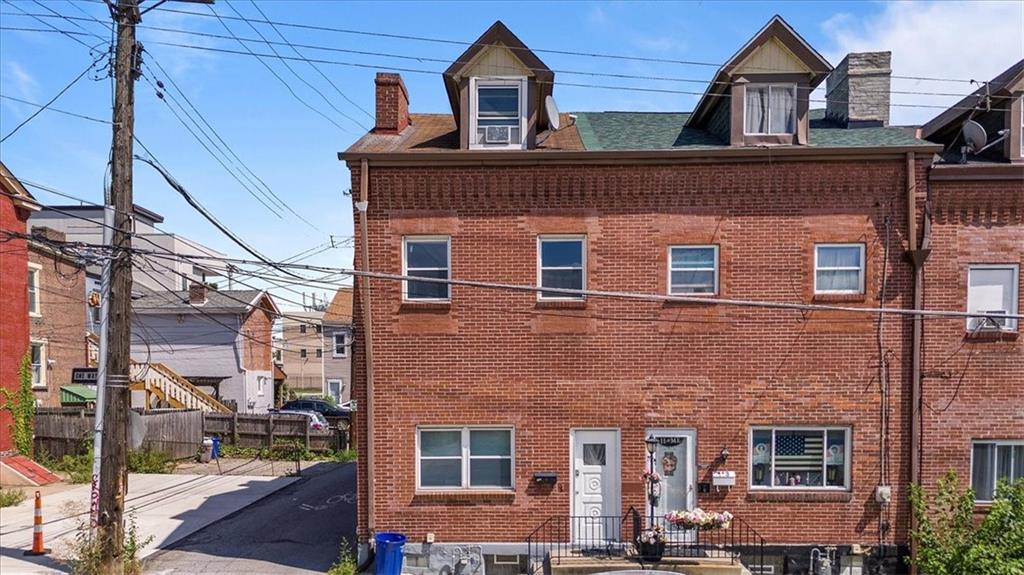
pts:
[37, 530]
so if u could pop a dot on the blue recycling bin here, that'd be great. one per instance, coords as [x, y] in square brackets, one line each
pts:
[390, 551]
[215, 452]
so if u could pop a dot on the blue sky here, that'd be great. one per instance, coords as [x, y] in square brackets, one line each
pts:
[295, 150]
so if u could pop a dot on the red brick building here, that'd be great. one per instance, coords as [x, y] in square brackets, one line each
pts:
[493, 416]
[16, 203]
[57, 316]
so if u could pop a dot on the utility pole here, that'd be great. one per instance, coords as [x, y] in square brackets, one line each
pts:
[113, 477]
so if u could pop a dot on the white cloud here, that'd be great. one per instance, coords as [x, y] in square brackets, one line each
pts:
[25, 86]
[961, 40]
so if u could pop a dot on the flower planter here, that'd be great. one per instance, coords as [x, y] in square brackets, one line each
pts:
[651, 551]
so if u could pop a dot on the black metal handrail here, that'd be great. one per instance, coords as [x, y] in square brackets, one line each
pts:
[560, 537]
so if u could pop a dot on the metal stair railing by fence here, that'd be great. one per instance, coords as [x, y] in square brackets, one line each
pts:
[561, 537]
[176, 390]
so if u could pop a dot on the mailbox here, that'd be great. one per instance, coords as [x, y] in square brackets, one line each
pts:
[545, 477]
[723, 478]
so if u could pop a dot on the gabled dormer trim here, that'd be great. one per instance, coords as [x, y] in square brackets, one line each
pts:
[812, 70]
[539, 82]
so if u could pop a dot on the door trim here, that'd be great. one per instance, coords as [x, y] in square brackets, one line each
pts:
[618, 462]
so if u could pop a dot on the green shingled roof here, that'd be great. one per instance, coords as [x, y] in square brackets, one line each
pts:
[665, 131]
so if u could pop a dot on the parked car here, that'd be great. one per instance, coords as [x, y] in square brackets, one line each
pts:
[321, 406]
[317, 422]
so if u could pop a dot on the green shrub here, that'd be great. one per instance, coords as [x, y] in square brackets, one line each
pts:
[288, 451]
[149, 462]
[21, 404]
[77, 467]
[84, 556]
[346, 563]
[949, 542]
[11, 497]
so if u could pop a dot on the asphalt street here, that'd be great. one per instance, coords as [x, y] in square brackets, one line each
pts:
[295, 530]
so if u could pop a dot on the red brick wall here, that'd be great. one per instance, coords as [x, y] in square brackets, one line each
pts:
[973, 388]
[61, 323]
[257, 339]
[13, 305]
[497, 357]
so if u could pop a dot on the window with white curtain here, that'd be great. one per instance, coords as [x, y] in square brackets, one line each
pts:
[839, 268]
[770, 109]
[464, 458]
[992, 290]
[992, 461]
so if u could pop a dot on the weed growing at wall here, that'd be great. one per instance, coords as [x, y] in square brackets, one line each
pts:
[11, 497]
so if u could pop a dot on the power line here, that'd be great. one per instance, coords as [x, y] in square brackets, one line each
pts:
[57, 110]
[249, 52]
[52, 100]
[538, 50]
[274, 72]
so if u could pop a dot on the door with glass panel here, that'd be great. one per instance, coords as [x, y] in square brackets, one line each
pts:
[595, 485]
[675, 463]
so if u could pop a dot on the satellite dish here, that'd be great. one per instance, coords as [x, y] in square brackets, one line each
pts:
[975, 136]
[552, 109]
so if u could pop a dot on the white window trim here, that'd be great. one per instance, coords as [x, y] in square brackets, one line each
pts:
[37, 305]
[714, 269]
[1011, 324]
[540, 267]
[770, 86]
[860, 269]
[44, 363]
[465, 457]
[405, 267]
[344, 345]
[260, 385]
[489, 81]
[847, 461]
[995, 461]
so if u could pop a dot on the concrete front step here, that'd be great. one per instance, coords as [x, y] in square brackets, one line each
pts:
[578, 565]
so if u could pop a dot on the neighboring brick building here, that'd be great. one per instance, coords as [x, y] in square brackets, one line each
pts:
[972, 413]
[16, 203]
[57, 319]
[480, 394]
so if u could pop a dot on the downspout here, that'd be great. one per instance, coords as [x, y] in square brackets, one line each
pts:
[362, 205]
[917, 258]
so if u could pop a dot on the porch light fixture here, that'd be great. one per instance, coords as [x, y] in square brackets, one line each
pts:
[652, 444]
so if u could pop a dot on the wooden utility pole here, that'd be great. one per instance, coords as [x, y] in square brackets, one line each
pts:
[113, 467]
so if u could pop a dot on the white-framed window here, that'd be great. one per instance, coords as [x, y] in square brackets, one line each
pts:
[426, 256]
[261, 383]
[37, 351]
[465, 458]
[693, 270]
[770, 109]
[341, 343]
[562, 264]
[800, 458]
[497, 107]
[992, 461]
[34, 304]
[839, 268]
[992, 290]
[335, 387]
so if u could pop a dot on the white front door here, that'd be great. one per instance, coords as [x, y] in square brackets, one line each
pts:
[675, 462]
[595, 484]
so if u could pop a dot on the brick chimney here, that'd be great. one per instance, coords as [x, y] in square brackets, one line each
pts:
[45, 233]
[197, 293]
[392, 104]
[858, 90]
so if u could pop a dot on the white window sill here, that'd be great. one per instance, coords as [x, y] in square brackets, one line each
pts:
[497, 147]
[34, 314]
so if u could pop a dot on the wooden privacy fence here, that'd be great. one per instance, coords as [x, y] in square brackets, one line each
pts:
[68, 431]
[266, 429]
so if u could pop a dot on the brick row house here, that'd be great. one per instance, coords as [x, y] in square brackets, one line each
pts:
[16, 204]
[488, 415]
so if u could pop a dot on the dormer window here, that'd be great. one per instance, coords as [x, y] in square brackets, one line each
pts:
[770, 109]
[498, 112]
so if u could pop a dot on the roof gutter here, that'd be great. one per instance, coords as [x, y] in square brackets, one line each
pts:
[618, 157]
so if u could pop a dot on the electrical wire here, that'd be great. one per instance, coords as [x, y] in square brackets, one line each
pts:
[52, 100]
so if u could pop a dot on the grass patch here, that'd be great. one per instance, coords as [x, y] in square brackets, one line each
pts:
[287, 451]
[79, 467]
[83, 551]
[149, 462]
[11, 497]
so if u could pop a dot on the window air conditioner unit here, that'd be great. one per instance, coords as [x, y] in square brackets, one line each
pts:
[990, 322]
[497, 134]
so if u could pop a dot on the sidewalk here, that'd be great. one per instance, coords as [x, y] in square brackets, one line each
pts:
[168, 507]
